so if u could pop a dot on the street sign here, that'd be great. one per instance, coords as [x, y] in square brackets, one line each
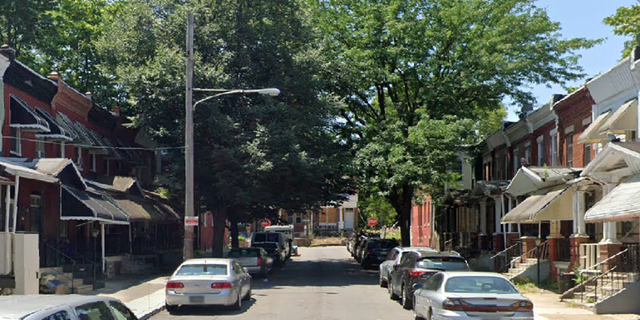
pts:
[372, 221]
[266, 222]
[191, 221]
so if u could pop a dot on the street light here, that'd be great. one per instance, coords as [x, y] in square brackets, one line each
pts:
[187, 252]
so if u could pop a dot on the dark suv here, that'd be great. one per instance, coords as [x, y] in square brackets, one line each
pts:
[375, 251]
[416, 266]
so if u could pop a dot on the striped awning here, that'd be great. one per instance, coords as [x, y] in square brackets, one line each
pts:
[56, 132]
[24, 118]
[91, 205]
[622, 203]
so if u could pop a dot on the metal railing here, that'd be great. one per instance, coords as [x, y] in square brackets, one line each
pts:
[60, 259]
[502, 260]
[540, 252]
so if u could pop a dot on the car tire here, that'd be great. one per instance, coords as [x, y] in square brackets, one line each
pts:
[406, 301]
[238, 304]
[392, 295]
[171, 309]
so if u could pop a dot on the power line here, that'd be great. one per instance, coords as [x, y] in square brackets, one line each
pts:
[83, 146]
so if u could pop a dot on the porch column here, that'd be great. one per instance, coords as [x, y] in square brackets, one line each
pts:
[7, 202]
[498, 241]
[104, 267]
[483, 218]
[610, 245]
[579, 210]
[341, 220]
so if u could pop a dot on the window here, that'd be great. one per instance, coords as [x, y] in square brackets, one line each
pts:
[516, 161]
[540, 151]
[203, 269]
[16, 141]
[298, 219]
[39, 148]
[587, 154]
[554, 150]
[506, 166]
[121, 311]
[60, 315]
[94, 163]
[570, 150]
[433, 283]
[94, 311]
[527, 153]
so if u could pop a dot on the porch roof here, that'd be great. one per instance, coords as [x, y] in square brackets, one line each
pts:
[489, 188]
[91, 205]
[592, 133]
[16, 169]
[552, 205]
[140, 209]
[622, 203]
[531, 179]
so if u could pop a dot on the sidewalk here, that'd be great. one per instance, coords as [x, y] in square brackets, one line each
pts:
[547, 306]
[144, 296]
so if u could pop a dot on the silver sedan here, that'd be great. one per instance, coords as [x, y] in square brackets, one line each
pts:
[470, 296]
[208, 282]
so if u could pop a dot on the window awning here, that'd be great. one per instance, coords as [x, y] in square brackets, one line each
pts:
[24, 118]
[622, 203]
[623, 120]
[553, 205]
[90, 205]
[592, 133]
[56, 132]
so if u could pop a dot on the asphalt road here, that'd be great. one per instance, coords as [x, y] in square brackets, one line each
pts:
[323, 283]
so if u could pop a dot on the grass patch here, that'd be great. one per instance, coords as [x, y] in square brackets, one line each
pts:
[527, 285]
[327, 241]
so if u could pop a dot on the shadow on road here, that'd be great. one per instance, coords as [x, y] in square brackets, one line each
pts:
[212, 310]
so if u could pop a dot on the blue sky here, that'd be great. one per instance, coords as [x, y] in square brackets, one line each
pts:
[583, 18]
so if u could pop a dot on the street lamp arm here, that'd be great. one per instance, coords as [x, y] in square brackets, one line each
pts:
[268, 91]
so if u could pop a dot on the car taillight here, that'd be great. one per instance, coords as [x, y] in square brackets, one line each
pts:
[452, 304]
[276, 251]
[259, 261]
[523, 306]
[416, 273]
[221, 285]
[175, 285]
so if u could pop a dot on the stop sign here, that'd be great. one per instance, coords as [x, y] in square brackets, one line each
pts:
[266, 222]
[372, 221]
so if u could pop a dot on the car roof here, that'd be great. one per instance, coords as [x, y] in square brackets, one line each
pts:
[20, 306]
[450, 274]
[208, 261]
[246, 248]
[417, 249]
[424, 254]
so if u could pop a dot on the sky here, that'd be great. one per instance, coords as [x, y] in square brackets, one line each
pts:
[582, 18]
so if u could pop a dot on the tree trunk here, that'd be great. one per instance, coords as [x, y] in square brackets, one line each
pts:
[219, 228]
[401, 200]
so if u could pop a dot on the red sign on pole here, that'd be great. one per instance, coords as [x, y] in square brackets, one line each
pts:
[372, 221]
[266, 222]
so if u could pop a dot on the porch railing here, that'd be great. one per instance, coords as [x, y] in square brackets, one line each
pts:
[608, 276]
[540, 252]
[589, 255]
[56, 258]
[502, 260]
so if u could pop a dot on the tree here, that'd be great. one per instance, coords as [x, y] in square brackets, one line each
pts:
[408, 74]
[253, 154]
[626, 22]
[374, 206]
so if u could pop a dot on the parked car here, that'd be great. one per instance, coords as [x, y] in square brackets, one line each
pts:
[375, 251]
[470, 295]
[68, 307]
[357, 243]
[393, 258]
[362, 247]
[255, 260]
[274, 249]
[418, 265]
[279, 237]
[208, 282]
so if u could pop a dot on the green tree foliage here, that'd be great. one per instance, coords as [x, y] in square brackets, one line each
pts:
[376, 207]
[626, 22]
[253, 154]
[408, 73]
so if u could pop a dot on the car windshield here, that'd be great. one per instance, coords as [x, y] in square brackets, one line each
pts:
[479, 284]
[202, 270]
[237, 253]
[442, 263]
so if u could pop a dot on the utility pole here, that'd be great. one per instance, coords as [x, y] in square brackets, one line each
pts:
[188, 152]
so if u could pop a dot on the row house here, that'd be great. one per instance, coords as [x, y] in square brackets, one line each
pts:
[72, 175]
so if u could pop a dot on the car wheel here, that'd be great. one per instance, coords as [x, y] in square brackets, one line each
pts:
[392, 295]
[170, 308]
[406, 299]
[238, 304]
[247, 297]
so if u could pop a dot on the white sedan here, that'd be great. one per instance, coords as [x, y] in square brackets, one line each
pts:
[208, 282]
[470, 296]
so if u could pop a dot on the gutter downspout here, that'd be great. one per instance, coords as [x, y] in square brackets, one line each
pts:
[103, 256]
[7, 244]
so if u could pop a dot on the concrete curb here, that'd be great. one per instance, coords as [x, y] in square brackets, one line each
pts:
[151, 313]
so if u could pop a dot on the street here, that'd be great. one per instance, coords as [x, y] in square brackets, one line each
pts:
[323, 283]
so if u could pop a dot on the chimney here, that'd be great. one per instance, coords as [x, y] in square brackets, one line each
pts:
[116, 110]
[54, 75]
[9, 52]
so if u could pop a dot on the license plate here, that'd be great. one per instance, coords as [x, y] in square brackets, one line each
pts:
[196, 299]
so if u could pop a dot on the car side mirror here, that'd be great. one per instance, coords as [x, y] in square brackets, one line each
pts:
[417, 286]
